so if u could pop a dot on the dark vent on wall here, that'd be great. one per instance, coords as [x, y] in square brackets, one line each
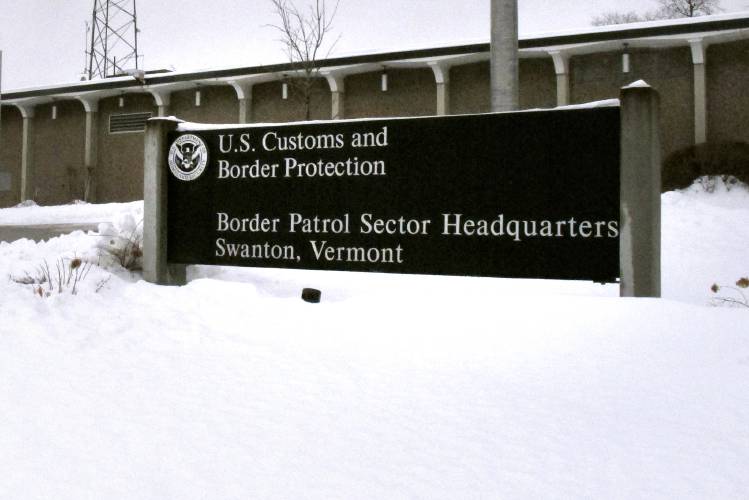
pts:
[128, 122]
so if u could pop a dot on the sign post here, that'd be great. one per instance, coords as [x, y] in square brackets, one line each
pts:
[640, 219]
[156, 269]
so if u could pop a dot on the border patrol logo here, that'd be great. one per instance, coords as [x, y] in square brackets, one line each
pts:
[188, 157]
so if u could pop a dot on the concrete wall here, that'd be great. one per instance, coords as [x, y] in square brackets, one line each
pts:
[268, 106]
[728, 92]
[599, 76]
[672, 73]
[411, 92]
[469, 88]
[538, 83]
[120, 155]
[10, 153]
[595, 77]
[217, 105]
[59, 174]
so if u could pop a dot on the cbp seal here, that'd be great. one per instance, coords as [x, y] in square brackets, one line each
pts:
[188, 157]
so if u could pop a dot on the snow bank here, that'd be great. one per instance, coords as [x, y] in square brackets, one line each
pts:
[394, 386]
[705, 237]
[75, 212]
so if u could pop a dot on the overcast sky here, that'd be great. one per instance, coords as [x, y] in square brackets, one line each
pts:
[43, 41]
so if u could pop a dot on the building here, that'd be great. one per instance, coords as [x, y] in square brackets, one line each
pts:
[59, 141]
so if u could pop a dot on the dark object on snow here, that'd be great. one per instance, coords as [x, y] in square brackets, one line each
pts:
[311, 295]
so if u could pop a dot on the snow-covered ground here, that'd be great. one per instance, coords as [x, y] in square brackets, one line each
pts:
[231, 387]
[74, 212]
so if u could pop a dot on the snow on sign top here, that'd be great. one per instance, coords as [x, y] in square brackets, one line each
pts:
[638, 84]
[186, 126]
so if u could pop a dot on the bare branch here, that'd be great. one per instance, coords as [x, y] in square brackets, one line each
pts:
[304, 35]
[688, 8]
[667, 9]
[612, 17]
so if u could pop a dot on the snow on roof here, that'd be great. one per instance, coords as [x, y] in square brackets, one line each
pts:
[69, 85]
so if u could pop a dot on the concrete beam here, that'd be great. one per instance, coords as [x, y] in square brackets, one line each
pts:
[27, 110]
[562, 70]
[337, 84]
[699, 53]
[90, 104]
[162, 98]
[244, 97]
[442, 78]
[640, 215]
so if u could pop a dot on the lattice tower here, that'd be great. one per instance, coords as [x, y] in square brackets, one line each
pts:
[114, 39]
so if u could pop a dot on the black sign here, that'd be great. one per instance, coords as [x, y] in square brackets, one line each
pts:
[530, 194]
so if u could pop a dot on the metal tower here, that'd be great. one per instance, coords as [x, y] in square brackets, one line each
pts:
[114, 39]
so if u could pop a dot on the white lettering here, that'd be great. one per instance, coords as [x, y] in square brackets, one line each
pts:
[371, 255]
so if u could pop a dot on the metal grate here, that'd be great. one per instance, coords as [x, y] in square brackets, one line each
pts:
[128, 122]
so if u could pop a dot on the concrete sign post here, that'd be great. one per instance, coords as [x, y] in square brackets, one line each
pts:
[640, 219]
[155, 170]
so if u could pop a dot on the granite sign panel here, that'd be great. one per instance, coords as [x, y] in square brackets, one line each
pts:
[529, 195]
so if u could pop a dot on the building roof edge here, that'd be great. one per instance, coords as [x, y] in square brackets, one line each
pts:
[687, 27]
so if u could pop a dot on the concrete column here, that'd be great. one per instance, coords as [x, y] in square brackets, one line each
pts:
[640, 217]
[337, 95]
[156, 269]
[504, 55]
[700, 90]
[90, 155]
[442, 79]
[245, 110]
[27, 154]
[337, 111]
[562, 70]
[91, 106]
[244, 98]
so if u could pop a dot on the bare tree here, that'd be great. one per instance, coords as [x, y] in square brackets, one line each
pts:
[688, 8]
[667, 9]
[613, 17]
[304, 34]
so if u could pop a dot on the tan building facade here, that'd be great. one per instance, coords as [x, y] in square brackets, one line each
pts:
[86, 139]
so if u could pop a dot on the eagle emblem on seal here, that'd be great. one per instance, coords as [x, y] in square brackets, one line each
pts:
[188, 157]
